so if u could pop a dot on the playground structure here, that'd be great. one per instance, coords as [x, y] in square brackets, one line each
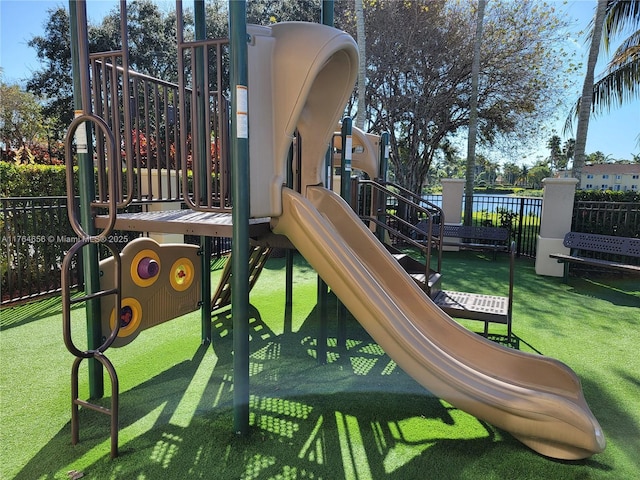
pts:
[288, 79]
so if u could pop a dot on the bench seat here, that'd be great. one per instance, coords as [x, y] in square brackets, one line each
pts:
[495, 239]
[582, 245]
[596, 262]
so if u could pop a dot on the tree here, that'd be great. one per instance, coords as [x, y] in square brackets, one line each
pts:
[598, 158]
[559, 156]
[621, 80]
[537, 173]
[152, 42]
[584, 110]
[524, 176]
[419, 57]
[265, 12]
[473, 117]
[20, 118]
[362, 65]
[569, 149]
[53, 83]
[511, 172]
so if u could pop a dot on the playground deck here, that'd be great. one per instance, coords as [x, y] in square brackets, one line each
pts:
[187, 222]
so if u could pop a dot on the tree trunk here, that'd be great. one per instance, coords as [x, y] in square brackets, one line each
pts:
[362, 67]
[473, 117]
[586, 100]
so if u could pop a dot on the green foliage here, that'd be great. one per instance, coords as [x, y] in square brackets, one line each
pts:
[536, 174]
[607, 196]
[53, 81]
[32, 180]
[20, 117]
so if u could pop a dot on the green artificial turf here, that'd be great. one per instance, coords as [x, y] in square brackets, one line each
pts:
[356, 417]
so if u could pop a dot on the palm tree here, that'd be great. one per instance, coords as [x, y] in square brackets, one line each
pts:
[362, 67]
[586, 100]
[621, 80]
[473, 116]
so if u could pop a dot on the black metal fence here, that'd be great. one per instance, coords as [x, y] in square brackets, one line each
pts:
[621, 219]
[519, 215]
[36, 234]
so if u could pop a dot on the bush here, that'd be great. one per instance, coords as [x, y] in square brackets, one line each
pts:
[607, 196]
[32, 180]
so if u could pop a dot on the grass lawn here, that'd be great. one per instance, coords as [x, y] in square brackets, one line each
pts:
[356, 417]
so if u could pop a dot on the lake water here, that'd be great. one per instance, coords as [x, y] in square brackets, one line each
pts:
[494, 203]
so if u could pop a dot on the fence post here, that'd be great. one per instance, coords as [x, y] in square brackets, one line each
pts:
[452, 192]
[555, 222]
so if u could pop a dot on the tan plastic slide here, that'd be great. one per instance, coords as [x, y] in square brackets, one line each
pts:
[538, 400]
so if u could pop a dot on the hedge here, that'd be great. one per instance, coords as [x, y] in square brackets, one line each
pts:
[32, 180]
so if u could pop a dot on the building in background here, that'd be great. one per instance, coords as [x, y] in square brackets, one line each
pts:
[618, 177]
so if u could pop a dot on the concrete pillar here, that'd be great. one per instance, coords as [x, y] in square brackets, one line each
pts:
[557, 210]
[452, 193]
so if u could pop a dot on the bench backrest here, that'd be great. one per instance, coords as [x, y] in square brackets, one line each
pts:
[603, 243]
[481, 233]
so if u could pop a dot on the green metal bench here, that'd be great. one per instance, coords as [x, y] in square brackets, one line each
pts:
[495, 239]
[623, 253]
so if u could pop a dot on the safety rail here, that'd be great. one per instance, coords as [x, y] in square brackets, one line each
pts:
[620, 219]
[35, 235]
[425, 235]
[161, 151]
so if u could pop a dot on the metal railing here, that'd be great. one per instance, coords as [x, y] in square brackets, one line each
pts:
[621, 219]
[35, 236]
[402, 216]
[154, 126]
[520, 215]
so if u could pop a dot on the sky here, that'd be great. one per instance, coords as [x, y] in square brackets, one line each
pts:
[616, 134]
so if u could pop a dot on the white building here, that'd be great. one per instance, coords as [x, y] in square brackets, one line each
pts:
[618, 177]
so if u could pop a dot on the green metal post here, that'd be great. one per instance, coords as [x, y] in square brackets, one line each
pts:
[82, 102]
[323, 289]
[240, 215]
[382, 178]
[203, 131]
[288, 302]
[345, 193]
[345, 159]
[384, 157]
[327, 12]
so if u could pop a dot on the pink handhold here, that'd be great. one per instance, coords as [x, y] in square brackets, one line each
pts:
[148, 268]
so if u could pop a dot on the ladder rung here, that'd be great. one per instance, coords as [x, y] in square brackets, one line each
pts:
[92, 406]
[91, 296]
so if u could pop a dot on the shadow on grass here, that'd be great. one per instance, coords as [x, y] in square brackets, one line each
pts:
[357, 417]
[12, 317]
[623, 293]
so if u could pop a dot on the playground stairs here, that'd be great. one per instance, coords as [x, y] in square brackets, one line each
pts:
[257, 258]
[417, 271]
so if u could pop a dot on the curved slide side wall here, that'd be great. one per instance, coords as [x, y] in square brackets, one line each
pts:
[537, 399]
